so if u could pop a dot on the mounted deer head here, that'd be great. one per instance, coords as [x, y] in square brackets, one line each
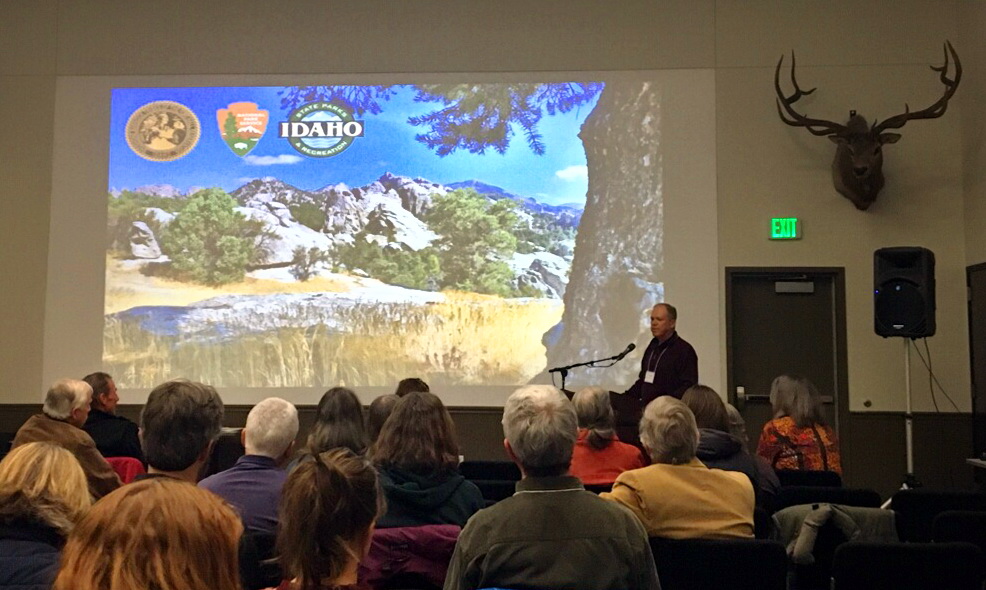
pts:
[857, 169]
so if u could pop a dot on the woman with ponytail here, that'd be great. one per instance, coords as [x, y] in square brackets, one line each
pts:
[599, 456]
[329, 507]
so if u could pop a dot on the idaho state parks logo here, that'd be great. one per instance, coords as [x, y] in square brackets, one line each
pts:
[163, 130]
[320, 129]
[241, 125]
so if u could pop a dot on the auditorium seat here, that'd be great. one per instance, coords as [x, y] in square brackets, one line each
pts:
[917, 508]
[227, 449]
[797, 477]
[257, 568]
[795, 495]
[737, 564]
[965, 526]
[914, 566]
[126, 467]
[491, 470]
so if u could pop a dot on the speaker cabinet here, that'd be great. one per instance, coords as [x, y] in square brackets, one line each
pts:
[904, 292]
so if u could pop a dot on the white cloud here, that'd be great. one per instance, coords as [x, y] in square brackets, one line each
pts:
[271, 160]
[573, 173]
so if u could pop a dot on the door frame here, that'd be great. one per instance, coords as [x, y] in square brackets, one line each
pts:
[977, 435]
[838, 276]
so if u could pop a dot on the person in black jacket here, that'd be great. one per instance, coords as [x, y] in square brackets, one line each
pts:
[43, 493]
[115, 436]
[418, 457]
[717, 448]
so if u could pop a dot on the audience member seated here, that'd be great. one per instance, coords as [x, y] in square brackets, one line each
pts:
[43, 493]
[178, 425]
[797, 437]
[678, 497]
[338, 423]
[115, 436]
[599, 455]
[417, 454]
[65, 410]
[328, 508]
[717, 448]
[769, 482]
[159, 533]
[377, 414]
[411, 385]
[551, 533]
[253, 485]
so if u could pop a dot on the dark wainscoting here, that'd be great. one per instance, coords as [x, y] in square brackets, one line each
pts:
[480, 433]
[873, 455]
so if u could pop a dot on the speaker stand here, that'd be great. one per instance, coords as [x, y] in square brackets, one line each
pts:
[910, 480]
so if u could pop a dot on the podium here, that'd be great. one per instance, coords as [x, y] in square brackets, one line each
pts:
[627, 411]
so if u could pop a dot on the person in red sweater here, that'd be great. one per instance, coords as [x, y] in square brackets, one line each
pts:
[599, 456]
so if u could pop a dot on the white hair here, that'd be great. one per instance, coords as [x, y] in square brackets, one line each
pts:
[271, 427]
[64, 396]
[540, 424]
[668, 431]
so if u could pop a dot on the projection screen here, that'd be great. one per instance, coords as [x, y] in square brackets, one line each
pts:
[271, 235]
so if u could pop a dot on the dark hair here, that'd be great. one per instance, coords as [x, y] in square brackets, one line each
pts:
[418, 437]
[708, 407]
[179, 421]
[100, 383]
[672, 310]
[327, 507]
[380, 409]
[411, 385]
[338, 422]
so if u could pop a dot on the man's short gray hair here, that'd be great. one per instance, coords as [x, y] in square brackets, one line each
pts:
[668, 431]
[271, 427]
[64, 396]
[540, 424]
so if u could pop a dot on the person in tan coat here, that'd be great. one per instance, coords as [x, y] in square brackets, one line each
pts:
[678, 497]
[66, 407]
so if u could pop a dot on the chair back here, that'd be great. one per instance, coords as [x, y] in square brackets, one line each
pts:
[256, 568]
[225, 452]
[490, 470]
[126, 467]
[737, 564]
[916, 566]
[795, 495]
[917, 508]
[409, 557]
[599, 488]
[796, 477]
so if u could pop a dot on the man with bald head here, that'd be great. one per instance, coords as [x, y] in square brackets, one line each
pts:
[669, 365]
[66, 407]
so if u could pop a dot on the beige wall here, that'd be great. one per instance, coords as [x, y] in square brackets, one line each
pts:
[870, 56]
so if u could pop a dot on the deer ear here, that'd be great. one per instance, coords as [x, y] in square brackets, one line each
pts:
[837, 140]
[889, 137]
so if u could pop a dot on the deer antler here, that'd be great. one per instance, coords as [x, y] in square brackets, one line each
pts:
[794, 118]
[936, 110]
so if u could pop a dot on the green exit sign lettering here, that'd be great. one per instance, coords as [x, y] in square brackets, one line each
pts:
[785, 228]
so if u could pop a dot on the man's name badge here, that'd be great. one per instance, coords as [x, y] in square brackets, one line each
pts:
[649, 377]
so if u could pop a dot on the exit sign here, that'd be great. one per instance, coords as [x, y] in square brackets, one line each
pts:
[785, 228]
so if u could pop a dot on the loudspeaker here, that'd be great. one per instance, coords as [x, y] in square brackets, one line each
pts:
[904, 288]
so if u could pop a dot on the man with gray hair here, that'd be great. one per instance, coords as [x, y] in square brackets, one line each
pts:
[66, 407]
[551, 533]
[178, 425]
[253, 485]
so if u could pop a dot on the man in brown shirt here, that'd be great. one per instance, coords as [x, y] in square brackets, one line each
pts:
[66, 407]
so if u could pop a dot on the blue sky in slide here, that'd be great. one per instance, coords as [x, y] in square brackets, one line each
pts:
[388, 145]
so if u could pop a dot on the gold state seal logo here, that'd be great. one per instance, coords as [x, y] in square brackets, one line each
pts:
[163, 131]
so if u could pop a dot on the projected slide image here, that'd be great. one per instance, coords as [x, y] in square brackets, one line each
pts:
[309, 236]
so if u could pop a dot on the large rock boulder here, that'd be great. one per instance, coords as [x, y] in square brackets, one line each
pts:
[143, 243]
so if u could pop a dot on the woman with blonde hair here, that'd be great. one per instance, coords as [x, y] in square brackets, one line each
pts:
[798, 437]
[599, 457]
[43, 493]
[328, 509]
[158, 533]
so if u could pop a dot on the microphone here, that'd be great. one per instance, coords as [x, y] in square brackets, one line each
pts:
[628, 350]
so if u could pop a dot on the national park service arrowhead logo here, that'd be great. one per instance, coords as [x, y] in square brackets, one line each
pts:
[241, 125]
[163, 130]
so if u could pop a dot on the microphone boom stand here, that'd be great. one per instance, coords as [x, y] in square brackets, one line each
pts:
[564, 370]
